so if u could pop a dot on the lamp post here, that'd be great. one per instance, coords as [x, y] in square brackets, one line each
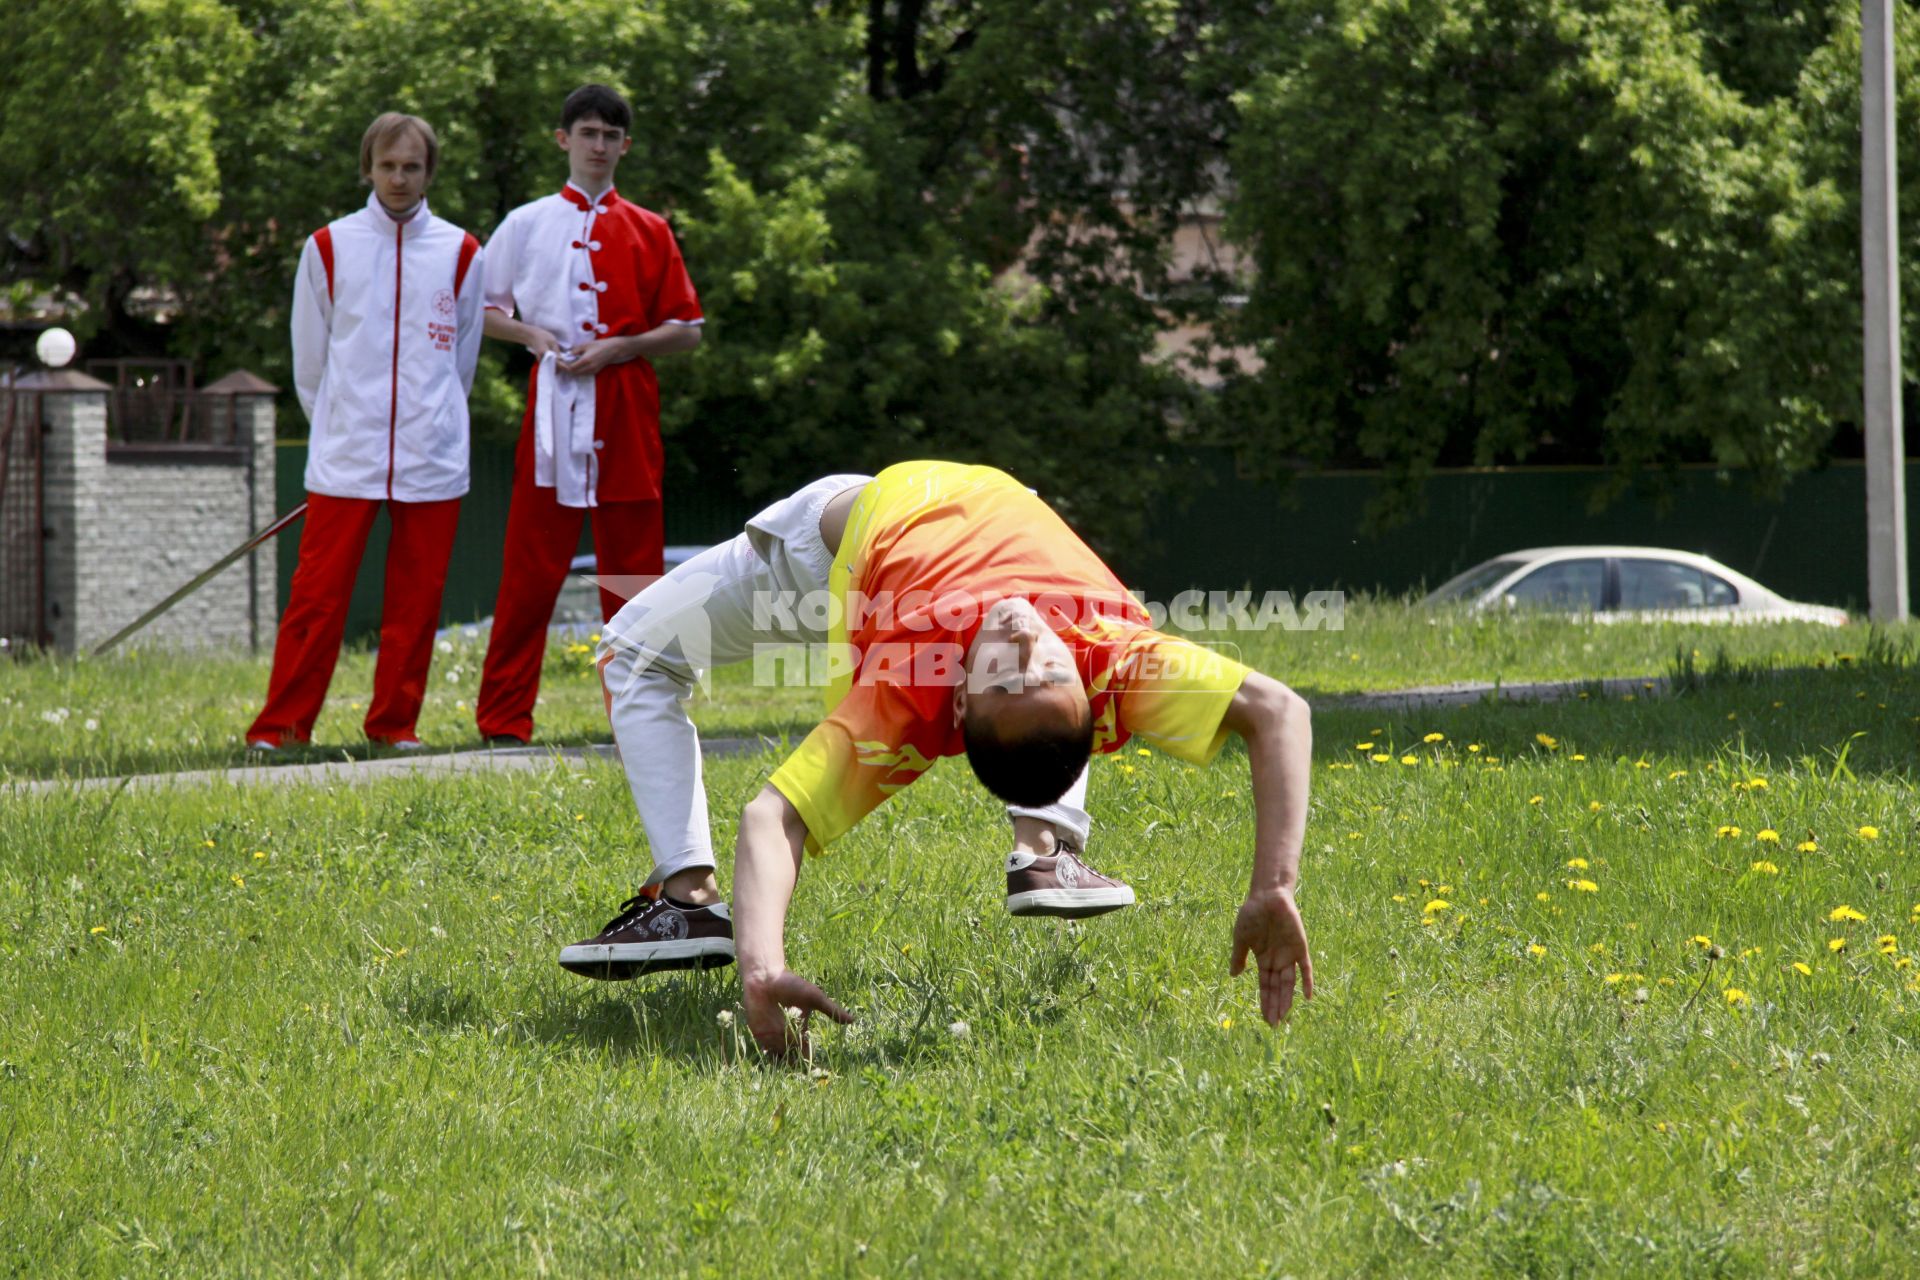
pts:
[1886, 461]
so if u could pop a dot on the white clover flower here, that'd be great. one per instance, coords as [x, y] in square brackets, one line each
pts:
[960, 1031]
[445, 646]
[93, 726]
[724, 1017]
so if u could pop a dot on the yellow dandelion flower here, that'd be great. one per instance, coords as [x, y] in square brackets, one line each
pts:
[206, 844]
[1756, 784]
[1474, 747]
[1767, 835]
[1677, 773]
[1702, 941]
[1576, 757]
[1535, 799]
[1424, 883]
[99, 928]
[1438, 904]
[1576, 864]
[1598, 948]
[1543, 896]
[259, 855]
[239, 879]
[1583, 886]
[1143, 752]
[1766, 868]
[1845, 912]
[1594, 806]
[1614, 979]
[1808, 846]
[1444, 890]
[1726, 833]
[1836, 944]
[1409, 759]
[1434, 737]
[1641, 764]
[1363, 746]
[1868, 833]
[1535, 949]
[1548, 741]
[1666, 982]
[1802, 968]
[1735, 996]
[1380, 757]
[1399, 897]
[1226, 1024]
[1353, 835]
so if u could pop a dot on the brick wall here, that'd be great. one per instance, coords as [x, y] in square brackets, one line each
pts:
[128, 527]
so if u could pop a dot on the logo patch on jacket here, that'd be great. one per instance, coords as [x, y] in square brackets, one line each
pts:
[441, 330]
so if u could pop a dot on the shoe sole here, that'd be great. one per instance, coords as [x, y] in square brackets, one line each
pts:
[1070, 904]
[621, 961]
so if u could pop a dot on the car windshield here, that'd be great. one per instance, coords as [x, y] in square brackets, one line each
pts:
[1467, 585]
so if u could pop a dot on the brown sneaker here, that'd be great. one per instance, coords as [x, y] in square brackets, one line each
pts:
[1061, 885]
[652, 934]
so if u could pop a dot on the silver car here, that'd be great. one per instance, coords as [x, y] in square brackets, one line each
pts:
[1624, 584]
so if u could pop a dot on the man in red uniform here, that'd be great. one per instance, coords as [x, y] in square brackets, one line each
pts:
[386, 333]
[595, 288]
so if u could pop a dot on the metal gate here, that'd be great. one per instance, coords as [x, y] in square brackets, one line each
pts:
[22, 542]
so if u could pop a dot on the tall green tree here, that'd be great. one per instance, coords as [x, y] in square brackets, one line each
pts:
[111, 175]
[1493, 230]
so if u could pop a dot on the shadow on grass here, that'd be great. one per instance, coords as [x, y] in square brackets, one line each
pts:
[905, 1014]
[1860, 717]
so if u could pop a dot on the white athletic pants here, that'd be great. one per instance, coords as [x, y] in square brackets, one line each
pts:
[702, 616]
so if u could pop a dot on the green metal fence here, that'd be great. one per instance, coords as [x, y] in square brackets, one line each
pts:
[1811, 545]
[1236, 533]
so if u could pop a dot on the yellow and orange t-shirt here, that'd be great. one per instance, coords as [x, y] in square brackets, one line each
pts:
[929, 546]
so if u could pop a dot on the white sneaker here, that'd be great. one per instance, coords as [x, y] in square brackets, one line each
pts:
[408, 744]
[262, 746]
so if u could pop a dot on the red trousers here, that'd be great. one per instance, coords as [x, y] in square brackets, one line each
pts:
[308, 646]
[629, 540]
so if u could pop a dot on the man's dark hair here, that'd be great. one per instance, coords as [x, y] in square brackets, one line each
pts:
[1034, 769]
[596, 100]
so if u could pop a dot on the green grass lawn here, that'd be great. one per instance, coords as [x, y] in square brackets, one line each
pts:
[1664, 1023]
[145, 711]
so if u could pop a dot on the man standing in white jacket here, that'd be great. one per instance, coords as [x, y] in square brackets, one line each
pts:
[386, 333]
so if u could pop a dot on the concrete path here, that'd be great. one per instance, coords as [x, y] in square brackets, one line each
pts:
[497, 759]
[334, 772]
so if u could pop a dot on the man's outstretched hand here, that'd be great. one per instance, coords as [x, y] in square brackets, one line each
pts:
[1270, 927]
[767, 1001]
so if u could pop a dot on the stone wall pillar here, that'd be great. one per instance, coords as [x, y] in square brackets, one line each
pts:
[251, 398]
[73, 414]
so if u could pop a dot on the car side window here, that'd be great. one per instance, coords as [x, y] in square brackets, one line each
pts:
[1569, 584]
[1666, 584]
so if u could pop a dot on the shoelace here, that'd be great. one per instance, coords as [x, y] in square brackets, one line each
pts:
[630, 910]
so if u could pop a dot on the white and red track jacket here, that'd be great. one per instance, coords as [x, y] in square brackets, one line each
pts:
[386, 332]
[582, 269]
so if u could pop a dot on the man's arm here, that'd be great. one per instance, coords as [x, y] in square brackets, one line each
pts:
[766, 865]
[1274, 722]
[663, 340]
[312, 324]
[498, 324]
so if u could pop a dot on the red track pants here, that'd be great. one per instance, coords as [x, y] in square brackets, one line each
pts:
[308, 646]
[629, 540]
